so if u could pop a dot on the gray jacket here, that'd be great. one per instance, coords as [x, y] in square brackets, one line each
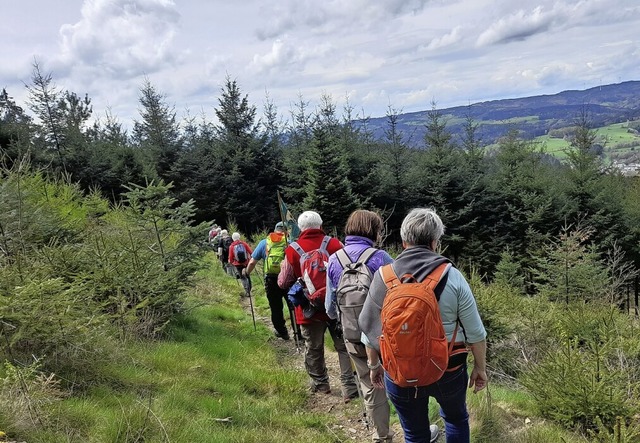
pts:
[456, 301]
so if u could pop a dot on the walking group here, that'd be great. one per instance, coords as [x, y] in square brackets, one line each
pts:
[402, 328]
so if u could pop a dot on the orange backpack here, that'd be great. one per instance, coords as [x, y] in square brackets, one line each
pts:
[413, 344]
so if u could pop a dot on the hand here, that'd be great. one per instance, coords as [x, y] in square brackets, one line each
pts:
[244, 272]
[377, 377]
[478, 379]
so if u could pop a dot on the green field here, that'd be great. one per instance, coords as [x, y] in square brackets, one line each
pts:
[615, 138]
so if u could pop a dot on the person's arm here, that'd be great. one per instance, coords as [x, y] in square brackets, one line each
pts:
[374, 363]
[252, 264]
[478, 378]
[330, 300]
[258, 254]
[369, 319]
[286, 278]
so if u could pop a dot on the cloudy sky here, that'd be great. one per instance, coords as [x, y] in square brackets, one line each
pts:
[378, 53]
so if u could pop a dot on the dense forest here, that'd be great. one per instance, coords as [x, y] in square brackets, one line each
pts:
[109, 221]
[514, 198]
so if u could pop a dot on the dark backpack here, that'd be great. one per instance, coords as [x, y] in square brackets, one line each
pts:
[352, 291]
[313, 266]
[240, 253]
[225, 242]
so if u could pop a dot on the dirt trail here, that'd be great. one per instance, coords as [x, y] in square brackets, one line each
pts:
[347, 418]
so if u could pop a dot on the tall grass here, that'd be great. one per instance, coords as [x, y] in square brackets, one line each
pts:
[215, 380]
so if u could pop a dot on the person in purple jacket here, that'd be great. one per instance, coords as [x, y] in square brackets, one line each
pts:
[363, 230]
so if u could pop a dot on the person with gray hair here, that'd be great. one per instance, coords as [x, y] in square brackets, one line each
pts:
[313, 327]
[421, 231]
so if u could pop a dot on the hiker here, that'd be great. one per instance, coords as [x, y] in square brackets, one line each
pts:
[239, 253]
[271, 250]
[456, 312]
[313, 325]
[223, 250]
[214, 239]
[213, 232]
[345, 298]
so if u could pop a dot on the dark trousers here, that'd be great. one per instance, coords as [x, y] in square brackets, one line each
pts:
[246, 281]
[277, 297]
[412, 406]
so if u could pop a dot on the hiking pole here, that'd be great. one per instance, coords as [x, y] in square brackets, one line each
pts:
[294, 328]
[253, 315]
[365, 417]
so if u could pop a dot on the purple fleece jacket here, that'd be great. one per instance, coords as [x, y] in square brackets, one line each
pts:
[354, 247]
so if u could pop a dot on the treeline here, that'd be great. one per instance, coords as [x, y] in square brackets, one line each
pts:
[512, 198]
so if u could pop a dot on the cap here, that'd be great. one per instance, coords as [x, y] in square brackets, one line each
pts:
[280, 226]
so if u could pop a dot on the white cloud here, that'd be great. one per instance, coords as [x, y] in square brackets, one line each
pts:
[124, 37]
[446, 40]
[517, 26]
[402, 53]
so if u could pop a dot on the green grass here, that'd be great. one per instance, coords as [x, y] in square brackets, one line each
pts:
[218, 381]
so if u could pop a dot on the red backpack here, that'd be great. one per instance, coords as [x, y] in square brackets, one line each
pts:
[313, 266]
[413, 344]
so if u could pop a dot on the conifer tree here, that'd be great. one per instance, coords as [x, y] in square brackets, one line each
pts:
[299, 136]
[157, 134]
[15, 131]
[44, 98]
[249, 161]
[440, 180]
[328, 189]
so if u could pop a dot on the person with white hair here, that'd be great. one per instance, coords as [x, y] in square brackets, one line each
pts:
[312, 238]
[239, 254]
[421, 231]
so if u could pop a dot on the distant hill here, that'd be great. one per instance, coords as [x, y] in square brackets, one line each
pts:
[532, 116]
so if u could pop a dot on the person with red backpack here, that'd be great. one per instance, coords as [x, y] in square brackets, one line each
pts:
[350, 272]
[418, 321]
[306, 261]
[239, 254]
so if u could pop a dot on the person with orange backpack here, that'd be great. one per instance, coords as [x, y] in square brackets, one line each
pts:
[418, 322]
[306, 262]
[271, 251]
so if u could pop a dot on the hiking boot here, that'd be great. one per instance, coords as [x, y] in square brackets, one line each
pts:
[283, 335]
[323, 389]
[435, 433]
[349, 397]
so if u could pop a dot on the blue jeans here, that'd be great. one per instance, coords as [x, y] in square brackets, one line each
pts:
[412, 406]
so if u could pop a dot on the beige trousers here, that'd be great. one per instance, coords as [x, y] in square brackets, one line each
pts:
[375, 400]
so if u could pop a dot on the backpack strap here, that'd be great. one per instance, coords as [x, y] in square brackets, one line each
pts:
[343, 258]
[434, 277]
[389, 276]
[366, 255]
[325, 243]
[296, 247]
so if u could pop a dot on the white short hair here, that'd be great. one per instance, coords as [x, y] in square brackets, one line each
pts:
[309, 220]
[421, 226]
[224, 232]
[235, 236]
